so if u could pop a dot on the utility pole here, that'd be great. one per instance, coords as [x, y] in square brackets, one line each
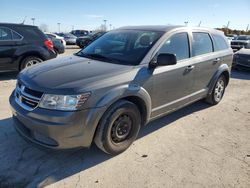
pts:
[105, 24]
[59, 24]
[33, 20]
[227, 29]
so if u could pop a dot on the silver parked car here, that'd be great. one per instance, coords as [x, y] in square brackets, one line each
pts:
[242, 58]
[121, 81]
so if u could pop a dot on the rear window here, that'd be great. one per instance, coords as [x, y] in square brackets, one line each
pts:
[201, 44]
[220, 43]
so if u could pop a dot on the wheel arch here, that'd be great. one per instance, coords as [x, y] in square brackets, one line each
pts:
[133, 93]
[29, 54]
[222, 70]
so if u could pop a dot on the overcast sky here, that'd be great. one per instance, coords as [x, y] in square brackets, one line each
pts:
[89, 14]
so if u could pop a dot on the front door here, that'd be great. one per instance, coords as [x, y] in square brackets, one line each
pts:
[173, 84]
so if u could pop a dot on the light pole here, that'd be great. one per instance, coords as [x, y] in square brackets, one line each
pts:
[33, 20]
[186, 23]
[72, 27]
[110, 25]
[58, 27]
[105, 24]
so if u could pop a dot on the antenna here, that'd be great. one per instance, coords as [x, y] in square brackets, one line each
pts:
[24, 20]
[199, 24]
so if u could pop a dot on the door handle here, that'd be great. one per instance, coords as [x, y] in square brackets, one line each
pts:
[216, 60]
[190, 67]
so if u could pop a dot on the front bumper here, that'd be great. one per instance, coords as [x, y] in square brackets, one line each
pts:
[56, 129]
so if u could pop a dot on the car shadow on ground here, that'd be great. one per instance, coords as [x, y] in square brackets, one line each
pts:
[8, 76]
[240, 74]
[24, 165]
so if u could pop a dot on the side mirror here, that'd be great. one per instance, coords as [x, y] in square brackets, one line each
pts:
[164, 59]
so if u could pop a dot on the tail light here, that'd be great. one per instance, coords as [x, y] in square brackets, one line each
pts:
[48, 43]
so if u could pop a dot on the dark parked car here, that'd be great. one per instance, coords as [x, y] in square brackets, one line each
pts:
[57, 44]
[82, 42]
[242, 58]
[240, 42]
[109, 90]
[80, 33]
[22, 46]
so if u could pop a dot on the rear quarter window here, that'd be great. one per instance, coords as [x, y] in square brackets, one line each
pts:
[220, 43]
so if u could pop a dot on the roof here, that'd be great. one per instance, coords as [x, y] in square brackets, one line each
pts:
[165, 28]
[152, 27]
[15, 24]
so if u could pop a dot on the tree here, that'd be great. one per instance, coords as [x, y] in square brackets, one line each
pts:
[44, 27]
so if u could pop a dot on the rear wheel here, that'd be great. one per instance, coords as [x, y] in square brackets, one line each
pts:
[30, 61]
[118, 127]
[218, 91]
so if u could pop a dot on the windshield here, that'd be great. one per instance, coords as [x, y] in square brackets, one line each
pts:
[243, 38]
[121, 46]
[247, 46]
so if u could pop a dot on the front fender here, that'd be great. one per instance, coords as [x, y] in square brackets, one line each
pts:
[221, 70]
[123, 91]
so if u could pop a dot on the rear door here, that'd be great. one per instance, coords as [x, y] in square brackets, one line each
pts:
[6, 48]
[206, 62]
[8, 44]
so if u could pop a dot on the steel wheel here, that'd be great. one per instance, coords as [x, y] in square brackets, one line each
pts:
[121, 128]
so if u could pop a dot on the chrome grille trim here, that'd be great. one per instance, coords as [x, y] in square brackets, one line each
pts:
[24, 99]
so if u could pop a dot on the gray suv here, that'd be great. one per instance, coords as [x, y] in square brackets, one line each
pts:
[106, 92]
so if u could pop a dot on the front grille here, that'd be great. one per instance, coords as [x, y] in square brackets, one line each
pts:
[26, 97]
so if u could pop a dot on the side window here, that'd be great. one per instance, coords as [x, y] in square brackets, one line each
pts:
[5, 34]
[16, 36]
[177, 44]
[201, 44]
[220, 43]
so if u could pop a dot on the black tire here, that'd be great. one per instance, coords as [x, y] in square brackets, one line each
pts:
[124, 115]
[26, 61]
[212, 99]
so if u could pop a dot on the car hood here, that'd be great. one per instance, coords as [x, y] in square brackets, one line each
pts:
[243, 51]
[242, 41]
[68, 75]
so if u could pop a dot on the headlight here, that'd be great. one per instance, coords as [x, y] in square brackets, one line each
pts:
[63, 102]
[236, 56]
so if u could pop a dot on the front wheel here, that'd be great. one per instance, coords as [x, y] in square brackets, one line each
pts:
[118, 127]
[218, 91]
